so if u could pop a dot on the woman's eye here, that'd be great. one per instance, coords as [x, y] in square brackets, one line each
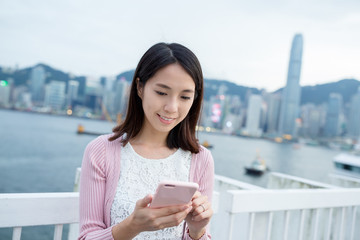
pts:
[186, 97]
[160, 93]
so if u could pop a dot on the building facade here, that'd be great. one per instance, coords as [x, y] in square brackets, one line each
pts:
[354, 117]
[291, 93]
[273, 111]
[4, 93]
[332, 124]
[121, 96]
[252, 127]
[37, 81]
[72, 93]
[55, 95]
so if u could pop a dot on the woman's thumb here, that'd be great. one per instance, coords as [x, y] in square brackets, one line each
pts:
[145, 201]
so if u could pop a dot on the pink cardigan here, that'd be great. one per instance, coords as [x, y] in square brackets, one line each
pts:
[100, 173]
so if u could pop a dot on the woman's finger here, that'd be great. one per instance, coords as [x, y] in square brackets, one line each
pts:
[203, 207]
[196, 204]
[172, 220]
[166, 211]
[199, 200]
[207, 214]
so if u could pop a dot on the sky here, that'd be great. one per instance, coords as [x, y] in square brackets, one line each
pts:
[245, 42]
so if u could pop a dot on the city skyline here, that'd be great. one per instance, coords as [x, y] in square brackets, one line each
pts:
[250, 113]
[230, 38]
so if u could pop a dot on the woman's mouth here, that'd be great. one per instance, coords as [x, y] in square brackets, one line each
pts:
[166, 120]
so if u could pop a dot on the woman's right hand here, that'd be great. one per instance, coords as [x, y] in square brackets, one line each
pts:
[144, 218]
[149, 219]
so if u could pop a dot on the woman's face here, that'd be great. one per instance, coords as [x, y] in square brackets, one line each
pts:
[167, 98]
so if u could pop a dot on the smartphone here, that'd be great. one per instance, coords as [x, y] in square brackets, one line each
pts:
[171, 193]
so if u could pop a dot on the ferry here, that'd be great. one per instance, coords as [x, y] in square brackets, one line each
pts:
[348, 164]
[257, 166]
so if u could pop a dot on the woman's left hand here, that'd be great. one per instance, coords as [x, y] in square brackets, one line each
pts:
[198, 219]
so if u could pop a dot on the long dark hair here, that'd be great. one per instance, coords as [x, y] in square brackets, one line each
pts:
[157, 57]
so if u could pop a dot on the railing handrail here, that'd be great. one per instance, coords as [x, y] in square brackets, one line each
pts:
[17, 209]
[34, 209]
[237, 201]
[312, 183]
[347, 178]
[236, 183]
[240, 201]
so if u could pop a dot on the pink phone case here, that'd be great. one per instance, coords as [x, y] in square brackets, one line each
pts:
[171, 193]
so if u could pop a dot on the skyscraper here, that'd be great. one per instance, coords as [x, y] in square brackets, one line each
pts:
[72, 93]
[311, 120]
[253, 116]
[121, 94]
[4, 93]
[273, 113]
[37, 79]
[290, 100]
[332, 124]
[55, 95]
[354, 118]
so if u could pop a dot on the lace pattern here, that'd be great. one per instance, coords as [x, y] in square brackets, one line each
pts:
[140, 176]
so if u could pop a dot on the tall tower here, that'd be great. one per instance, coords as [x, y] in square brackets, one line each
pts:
[37, 78]
[253, 116]
[121, 93]
[332, 124]
[72, 94]
[354, 118]
[273, 113]
[291, 94]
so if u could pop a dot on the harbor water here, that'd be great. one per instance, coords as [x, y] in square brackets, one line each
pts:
[40, 153]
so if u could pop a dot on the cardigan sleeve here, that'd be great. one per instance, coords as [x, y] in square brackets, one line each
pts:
[205, 172]
[92, 193]
[204, 176]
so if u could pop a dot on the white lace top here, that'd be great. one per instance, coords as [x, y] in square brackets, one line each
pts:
[140, 176]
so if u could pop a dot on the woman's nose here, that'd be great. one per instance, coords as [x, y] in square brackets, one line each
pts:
[171, 105]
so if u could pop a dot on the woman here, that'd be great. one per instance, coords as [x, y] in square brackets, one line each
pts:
[156, 141]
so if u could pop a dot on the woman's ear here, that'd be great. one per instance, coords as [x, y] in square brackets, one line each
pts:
[139, 87]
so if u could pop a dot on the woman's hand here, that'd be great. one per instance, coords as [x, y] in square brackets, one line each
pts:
[148, 219]
[144, 218]
[199, 218]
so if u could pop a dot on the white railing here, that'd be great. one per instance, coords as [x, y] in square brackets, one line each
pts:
[285, 181]
[37, 209]
[220, 220]
[268, 203]
[344, 181]
[18, 210]
[223, 183]
[251, 214]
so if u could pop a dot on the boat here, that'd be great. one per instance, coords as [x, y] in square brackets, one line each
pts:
[207, 145]
[347, 164]
[81, 130]
[257, 166]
